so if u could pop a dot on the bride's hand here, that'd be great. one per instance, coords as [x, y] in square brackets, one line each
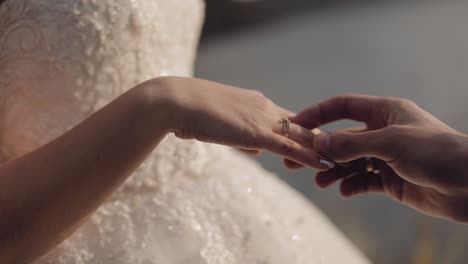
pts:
[216, 113]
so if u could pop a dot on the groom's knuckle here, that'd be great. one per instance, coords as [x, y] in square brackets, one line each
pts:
[266, 102]
[342, 98]
[341, 144]
[404, 101]
[407, 104]
[335, 100]
[257, 93]
[400, 103]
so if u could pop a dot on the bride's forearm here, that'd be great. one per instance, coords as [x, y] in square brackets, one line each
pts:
[47, 193]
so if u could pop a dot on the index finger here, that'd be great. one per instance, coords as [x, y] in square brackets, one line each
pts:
[355, 107]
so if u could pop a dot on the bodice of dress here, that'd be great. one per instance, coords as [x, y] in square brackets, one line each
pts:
[61, 60]
[189, 202]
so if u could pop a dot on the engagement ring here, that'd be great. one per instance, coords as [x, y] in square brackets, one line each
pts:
[286, 125]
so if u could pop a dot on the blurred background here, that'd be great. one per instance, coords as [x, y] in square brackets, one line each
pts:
[298, 52]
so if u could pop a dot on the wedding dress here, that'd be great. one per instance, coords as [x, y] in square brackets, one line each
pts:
[189, 202]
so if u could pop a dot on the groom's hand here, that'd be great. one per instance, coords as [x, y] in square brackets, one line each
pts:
[416, 159]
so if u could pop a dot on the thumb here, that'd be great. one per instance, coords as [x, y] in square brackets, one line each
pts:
[345, 146]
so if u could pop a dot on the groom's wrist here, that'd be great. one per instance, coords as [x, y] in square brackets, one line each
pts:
[459, 166]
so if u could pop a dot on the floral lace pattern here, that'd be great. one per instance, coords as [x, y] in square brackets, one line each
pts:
[189, 202]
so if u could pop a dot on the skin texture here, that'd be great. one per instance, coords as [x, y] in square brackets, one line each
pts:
[238, 118]
[421, 160]
[46, 194]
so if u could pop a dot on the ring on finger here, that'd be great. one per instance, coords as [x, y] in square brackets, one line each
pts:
[286, 124]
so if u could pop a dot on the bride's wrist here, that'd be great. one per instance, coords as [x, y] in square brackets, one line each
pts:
[159, 96]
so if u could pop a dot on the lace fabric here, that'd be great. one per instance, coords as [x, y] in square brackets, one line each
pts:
[189, 202]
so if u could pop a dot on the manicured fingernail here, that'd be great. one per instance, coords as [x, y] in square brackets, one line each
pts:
[316, 131]
[326, 163]
[322, 143]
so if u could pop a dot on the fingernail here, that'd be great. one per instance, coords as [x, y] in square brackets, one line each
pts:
[326, 163]
[322, 143]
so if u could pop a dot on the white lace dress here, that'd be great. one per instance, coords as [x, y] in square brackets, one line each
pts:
[189, 202]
